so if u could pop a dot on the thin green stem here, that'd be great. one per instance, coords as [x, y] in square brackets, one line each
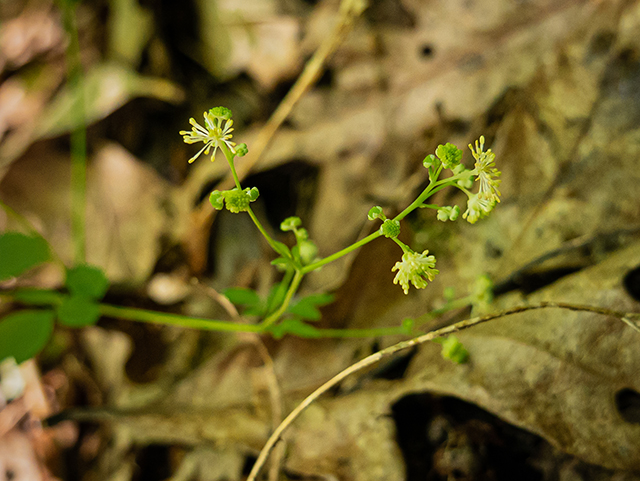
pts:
[431, 189]
[293, 287]
[142, 315]
[343, 252]
[78, 136]
[281, 289]
[262, 230]
[229, 156]
[405, 248]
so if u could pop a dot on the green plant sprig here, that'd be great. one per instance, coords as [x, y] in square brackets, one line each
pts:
[415, 268]
[25, 332]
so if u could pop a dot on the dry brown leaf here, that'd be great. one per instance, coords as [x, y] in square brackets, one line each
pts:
[555, 373]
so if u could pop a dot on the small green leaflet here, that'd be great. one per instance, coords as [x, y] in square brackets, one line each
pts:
[23, 334]
[307, 307]
[87, 281]
[20, 252]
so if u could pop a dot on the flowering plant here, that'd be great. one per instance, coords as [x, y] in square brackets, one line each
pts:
[417, 269]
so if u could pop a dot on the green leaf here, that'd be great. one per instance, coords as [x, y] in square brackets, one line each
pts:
[87, 281]
[37, 297]
[282, 249]
[20, 252]
[77, 311]
[242, 296]
[282, 263]
[295, 327]
[306, 308]
[23, 334]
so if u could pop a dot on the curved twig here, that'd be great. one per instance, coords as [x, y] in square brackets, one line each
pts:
[628, 318]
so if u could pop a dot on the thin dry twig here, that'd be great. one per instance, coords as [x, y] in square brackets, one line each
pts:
[630, 319]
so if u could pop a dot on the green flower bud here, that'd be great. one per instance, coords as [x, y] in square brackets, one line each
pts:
[376, 213]
[217, 199]
[308, 251]
[290, 223]
[253, 193]
[430, 161]
[449, 154]
[458, 169]
[242, 150]
[237, 200]
[390, 228]
[221, 112]
[448, 213]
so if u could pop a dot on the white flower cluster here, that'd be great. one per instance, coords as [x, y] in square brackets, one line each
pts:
[480, 204]
[416, 269]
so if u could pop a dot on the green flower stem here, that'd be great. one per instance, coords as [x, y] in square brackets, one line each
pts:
[78, 136]
[293, 287]
[282, 288]
[405, 248]
[229, 156]
[416, 203]
[142, 315]
[261, 229]
[343, 252]
[431, 189]
[430, 206]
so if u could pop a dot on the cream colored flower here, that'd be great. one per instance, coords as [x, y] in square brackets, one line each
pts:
[486, 173]
[416, 269]
[477, 208]
[217, 131]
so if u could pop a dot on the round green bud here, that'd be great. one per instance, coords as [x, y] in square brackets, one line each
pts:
[390, 228]
[237, 200]
[253, 193]
[376, 213]
[221, 112]
[458, 169]
[449, 154]
[308, 251]
[430, 161]
[448, 213]
[290, 223]
[242, 150]
[217, 199]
